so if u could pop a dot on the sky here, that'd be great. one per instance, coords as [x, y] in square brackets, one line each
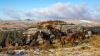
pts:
[49, 9]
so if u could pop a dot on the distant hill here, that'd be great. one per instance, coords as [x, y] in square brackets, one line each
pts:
[34, 23]
[52, 22]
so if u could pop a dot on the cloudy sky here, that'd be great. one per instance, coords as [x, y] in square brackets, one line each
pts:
[49, 9]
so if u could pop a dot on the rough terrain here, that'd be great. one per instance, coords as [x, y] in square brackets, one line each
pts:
[89, 48]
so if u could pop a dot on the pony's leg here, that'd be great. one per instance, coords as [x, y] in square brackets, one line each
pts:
[50, 41]
[62, 42]
[75, 43]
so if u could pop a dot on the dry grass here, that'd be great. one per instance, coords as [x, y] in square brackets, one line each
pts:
[95, 41]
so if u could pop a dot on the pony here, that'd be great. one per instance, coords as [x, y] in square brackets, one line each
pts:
[41, 36]
[72, 38]
[86, 34]
[55, 34]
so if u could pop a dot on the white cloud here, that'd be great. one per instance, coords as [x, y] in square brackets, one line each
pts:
[56, 11]
[62, 11]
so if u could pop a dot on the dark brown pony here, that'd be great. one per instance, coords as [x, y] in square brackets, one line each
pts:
[83, 35]
[57, 34]
[43, 35]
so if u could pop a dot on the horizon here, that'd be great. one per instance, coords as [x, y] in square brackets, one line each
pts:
[49, 9]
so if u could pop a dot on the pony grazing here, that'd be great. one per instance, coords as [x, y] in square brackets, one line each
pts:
[70, 38]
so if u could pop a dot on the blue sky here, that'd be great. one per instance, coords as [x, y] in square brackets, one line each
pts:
[28, 5]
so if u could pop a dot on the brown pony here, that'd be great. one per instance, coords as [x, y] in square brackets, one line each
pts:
[73, 38]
